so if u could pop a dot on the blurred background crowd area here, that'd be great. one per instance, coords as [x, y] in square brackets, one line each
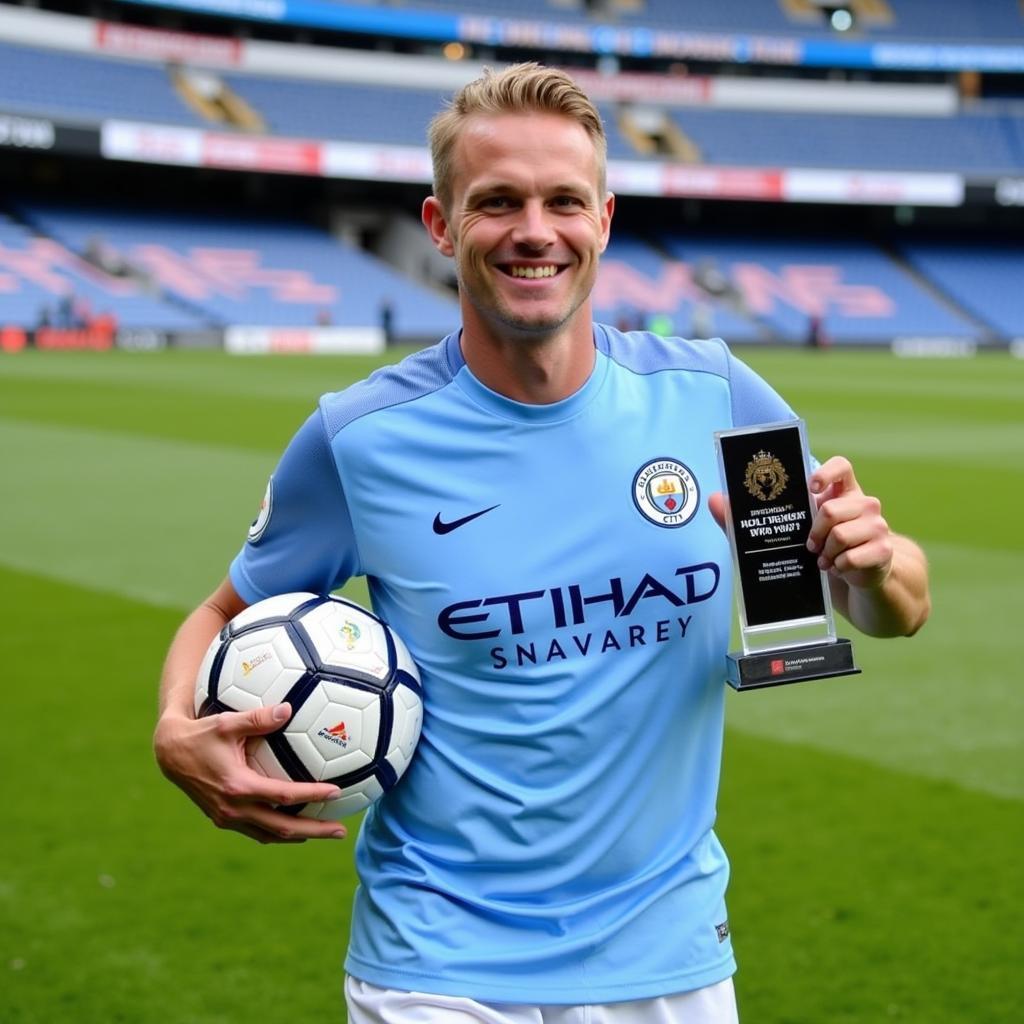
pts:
[248, 173]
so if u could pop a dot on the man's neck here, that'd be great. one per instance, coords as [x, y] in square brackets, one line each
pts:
[535, 370]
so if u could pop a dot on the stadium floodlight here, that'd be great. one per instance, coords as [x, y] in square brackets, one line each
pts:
[841, 17]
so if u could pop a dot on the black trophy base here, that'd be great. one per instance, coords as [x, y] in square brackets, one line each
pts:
[790, 665]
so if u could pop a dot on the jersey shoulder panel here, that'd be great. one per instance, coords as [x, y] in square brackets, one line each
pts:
[419, 374]
[753, 400]
[644, 352]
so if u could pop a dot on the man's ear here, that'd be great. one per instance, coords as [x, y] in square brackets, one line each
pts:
[607, 211]
[436, 223]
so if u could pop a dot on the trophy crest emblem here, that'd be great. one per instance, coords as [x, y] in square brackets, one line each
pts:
[766, 477]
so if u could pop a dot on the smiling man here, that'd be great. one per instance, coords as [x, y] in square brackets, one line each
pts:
[532, 502]
[525, 214]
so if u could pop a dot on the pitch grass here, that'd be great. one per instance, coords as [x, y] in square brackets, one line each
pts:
[874, 824]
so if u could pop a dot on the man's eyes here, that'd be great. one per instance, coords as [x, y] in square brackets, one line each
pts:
[508, 203]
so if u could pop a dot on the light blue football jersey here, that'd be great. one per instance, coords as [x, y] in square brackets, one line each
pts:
[562, 586]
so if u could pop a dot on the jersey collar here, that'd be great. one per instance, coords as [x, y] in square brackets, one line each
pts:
[524, 412]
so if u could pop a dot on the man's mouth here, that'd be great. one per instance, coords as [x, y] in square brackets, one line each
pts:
[532, 272]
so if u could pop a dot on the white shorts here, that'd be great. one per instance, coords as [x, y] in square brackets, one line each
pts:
[368, 1004]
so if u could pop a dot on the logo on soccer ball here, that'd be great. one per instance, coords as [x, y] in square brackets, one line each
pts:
[766, 477]
[336, 734]
[259, 524]
[351, 632]
[248, 666]
[666, 493]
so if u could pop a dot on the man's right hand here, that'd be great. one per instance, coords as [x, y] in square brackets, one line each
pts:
[206, 757]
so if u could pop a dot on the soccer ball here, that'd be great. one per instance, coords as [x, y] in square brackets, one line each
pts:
[353, 688]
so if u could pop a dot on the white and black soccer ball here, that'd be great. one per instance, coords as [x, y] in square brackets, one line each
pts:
[354, 690]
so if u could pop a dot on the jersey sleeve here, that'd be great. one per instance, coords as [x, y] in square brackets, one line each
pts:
[303, 538]
[754, 400]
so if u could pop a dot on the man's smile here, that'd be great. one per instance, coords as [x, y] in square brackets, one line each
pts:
[530, 271]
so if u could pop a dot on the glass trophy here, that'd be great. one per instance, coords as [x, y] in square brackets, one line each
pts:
[787, 625]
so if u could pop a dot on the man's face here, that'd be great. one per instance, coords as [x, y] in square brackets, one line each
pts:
[526, 225]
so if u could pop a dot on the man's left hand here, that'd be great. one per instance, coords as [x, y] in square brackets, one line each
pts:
[849, 535]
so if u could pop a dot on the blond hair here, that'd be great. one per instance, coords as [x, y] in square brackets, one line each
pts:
[518, 89]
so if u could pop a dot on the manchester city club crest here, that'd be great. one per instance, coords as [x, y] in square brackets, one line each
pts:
[666, 493]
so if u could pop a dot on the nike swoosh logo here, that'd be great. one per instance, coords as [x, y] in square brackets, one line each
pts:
[442, 528]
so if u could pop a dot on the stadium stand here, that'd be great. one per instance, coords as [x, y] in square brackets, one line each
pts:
[177, 272]
[990, 141]
[238, 272]
[985, 280]
[186, 271]
[365, 113]
[761, 289]
[43, 282]
[638, 284]
[39, 81]
[980, 142]
[322, 110]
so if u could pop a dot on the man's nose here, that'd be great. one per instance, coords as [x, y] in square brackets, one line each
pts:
[533, 229]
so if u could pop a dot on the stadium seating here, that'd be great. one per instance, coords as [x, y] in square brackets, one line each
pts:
[970, 142]
[637, 284]
[188, 272]
[985, 280]
[338, 110]
[252, 272]
[768, 290]
[55, 82]
[43, 281]
[193, 272]
[988, 141]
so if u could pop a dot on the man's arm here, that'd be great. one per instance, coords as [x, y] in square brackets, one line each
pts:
[206, 757]
[878, 579]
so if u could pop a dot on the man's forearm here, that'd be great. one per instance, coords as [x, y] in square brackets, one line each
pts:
[899, 606]
[190, 644]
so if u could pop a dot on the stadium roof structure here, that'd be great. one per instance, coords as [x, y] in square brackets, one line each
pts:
[73, 109]
[940, 37]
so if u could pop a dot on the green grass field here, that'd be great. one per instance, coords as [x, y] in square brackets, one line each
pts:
[875, 823]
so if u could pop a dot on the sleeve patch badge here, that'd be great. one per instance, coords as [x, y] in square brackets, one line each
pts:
[260, 523]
